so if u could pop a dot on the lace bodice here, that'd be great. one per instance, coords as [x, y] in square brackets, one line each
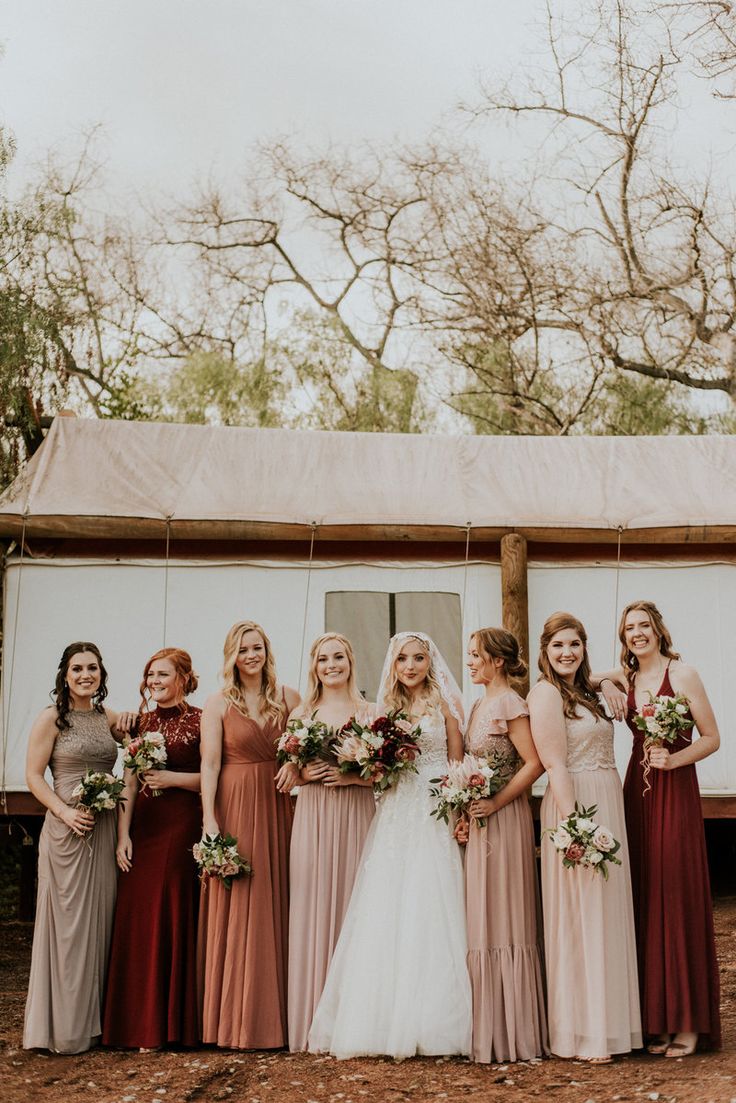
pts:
[432, 741]
[589, 743]
[488, 726]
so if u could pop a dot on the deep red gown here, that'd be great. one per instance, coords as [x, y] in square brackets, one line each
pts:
[678, 970]
[151, 994]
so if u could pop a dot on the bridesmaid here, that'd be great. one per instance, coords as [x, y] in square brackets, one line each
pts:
[589, 940]
[678, 970]
[333, 814]
[76, 859]
[151, 996]
[501, 890]
[242, 945]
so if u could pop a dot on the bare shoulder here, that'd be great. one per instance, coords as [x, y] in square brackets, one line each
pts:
[684, 677]
[292, 698]
[45, 722]
[215, 704]
[544, 693]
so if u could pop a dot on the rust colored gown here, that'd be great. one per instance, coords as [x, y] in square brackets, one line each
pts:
[243, 931]
[678, 970]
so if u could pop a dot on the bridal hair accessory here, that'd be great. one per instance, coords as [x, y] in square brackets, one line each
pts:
[448, 686]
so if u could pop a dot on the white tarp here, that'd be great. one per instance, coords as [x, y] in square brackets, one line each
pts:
[129, 609]
[147, 471]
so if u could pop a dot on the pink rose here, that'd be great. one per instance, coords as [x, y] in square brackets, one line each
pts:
[476, 781]
[575, 852]
[647, 710]
[292, 745]
[403, 726]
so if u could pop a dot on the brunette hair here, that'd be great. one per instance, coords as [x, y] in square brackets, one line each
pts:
[186, 680]
[581, 693]
[395, 694]
[314, 685]
[629, 660]
[60, 694]
[233, 691]
[498, 643]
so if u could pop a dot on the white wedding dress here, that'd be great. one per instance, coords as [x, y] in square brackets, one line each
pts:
[398, 982]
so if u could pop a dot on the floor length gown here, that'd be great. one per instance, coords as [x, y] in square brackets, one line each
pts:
[589, 941]
[503, 910]
[243, 931]
[678, 970]
[76, 901]
[151, 992]
[398, 983]
[330, 827]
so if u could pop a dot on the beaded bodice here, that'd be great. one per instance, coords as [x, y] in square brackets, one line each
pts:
[488, 726]
[589, 742]
[86, 745]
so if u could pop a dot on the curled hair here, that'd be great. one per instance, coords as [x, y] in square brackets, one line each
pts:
[579, 694]
[629, 660]
[186, 680]
[498, 643]
[233, 690]
[396, 695]
[61, 695]
[313, 692]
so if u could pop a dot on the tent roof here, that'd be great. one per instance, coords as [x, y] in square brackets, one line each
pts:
[126, 479]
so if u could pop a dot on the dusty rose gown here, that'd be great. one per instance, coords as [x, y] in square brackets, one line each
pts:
[503, 913]
[589, 942]
[243, 931]
[330, 826]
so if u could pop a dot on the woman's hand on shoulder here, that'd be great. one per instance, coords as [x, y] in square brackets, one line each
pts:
[616, 699]
[126, 723]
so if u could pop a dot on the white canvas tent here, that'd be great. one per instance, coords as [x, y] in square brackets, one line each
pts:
[138, 533]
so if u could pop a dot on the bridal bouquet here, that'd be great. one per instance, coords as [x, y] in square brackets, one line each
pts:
[380, 750]
[583, 842]
[473, 778]
[145, 752]
[662, 720]
[217, 856]
[302, 741]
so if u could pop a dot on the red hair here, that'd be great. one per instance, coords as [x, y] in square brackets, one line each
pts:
[186, 680]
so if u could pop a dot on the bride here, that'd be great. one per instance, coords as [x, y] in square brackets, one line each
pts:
[398, 982]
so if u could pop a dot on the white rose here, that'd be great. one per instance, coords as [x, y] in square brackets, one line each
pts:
[562, 838]
[586, 825]
[594, 857]
[682, 709]
[603, 840]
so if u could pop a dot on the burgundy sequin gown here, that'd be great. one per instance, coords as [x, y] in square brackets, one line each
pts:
[678, 970]
[151, 996]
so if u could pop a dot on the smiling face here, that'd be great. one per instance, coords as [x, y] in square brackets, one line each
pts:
[565, 652]
[332, 664]
[251, 657]
[639, 634]
[83, 676]
[411, 664]
[164, 684]
[482, 666]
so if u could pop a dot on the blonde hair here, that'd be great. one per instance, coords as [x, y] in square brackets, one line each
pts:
[581, 693]
[498, 643]
[396, 696]
[313, 693]
[232, 689]
[629, 660]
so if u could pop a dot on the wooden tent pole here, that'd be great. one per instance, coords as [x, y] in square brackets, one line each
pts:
[514, 591]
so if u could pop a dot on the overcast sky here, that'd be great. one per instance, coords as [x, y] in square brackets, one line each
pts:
[185, 87]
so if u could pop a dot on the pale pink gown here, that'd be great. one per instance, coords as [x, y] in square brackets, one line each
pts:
[503, 912]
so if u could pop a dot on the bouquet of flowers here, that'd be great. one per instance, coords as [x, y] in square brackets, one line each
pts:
[302, 741]
[217, 856]
[583, 842]
[473, 778]
[145, 752]
[379, 750]
[662, 720]
[98, 792]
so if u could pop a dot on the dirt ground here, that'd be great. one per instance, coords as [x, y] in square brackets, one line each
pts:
[208, 1074]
